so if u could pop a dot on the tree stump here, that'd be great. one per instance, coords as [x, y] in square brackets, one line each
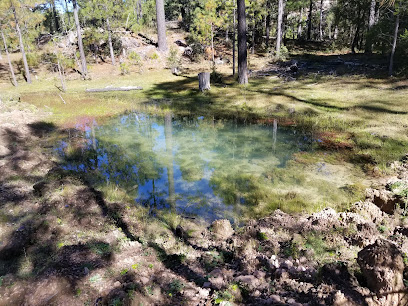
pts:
[204, 81]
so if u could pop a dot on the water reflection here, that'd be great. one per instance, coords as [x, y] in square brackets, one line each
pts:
[195, 166]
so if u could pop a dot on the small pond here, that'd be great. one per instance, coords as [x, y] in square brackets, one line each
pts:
[201, 167]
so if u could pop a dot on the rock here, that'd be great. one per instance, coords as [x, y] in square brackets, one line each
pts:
[207, 285]
[129, 43]
[273, 299]
[203, 293]
[117, 284]
[4, 150]
[248, 280]
[324, 218]
[382, 265]
[384, 199]
[222, 229]
[259, 274]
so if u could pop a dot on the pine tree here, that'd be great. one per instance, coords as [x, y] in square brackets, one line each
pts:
[242, 44]
[161, 26]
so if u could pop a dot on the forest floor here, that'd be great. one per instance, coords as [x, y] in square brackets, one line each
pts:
[62, 242]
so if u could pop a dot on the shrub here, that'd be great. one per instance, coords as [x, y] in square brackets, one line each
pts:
[124, 68]
[173, 59]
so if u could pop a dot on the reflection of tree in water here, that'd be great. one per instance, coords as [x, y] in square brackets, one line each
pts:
[195, 164]
[168, 132]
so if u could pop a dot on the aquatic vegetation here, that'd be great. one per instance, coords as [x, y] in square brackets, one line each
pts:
[200, 166]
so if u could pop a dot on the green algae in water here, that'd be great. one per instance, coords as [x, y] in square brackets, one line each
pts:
[204, 167]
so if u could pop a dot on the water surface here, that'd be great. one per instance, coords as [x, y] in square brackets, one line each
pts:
[195, 166]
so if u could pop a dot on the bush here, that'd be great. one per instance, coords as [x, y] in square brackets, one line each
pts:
[124, 68]
[282, 56]
[153, 56]
[33, 60]
[173, 59]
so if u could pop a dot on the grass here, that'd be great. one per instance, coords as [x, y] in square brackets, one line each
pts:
[361, 121]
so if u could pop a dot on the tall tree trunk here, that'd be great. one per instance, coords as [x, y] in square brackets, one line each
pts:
[357, 34]
[112, 54]
[234, 44]
[161, 26]
[80, 44]
[279, 30]
[61, 75]
[20, 38]
[309, 21]
[321, 21]
[371, 22]
[299, 30]
[394, 45]
[53, 24]
[13, 77]
[268, 28]
[242, 44]
[212, 44]
[253, 39]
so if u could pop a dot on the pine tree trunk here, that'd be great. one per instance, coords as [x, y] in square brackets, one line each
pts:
[309, 21]
[279, 26]
[371, 22]
[20, 38]
[61, 75]
[161, 26]
[242, 44]
[80, 45]
[394, 46]
[299, 30]
[204, 81]
[321, 21]
[268, 28]
[112, 54]
[212, 44]
[13, 77]
[233, 45]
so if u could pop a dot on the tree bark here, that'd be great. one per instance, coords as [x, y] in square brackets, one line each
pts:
[321, 21]
[268, 28]
[80, 44]
[371, 22]
[204, 81]
[394, 45]
[61, 75]
[20, 38]
[112, 54]
[161, 26]
[233, 45]
[309, 21]
[242, 44]
[279, 27]
[212, 44]
[299, 30]
[9, 61]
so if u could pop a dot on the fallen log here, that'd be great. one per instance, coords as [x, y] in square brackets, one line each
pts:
[128, 88]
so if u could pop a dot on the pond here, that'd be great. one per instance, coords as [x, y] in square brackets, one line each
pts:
[201, 167]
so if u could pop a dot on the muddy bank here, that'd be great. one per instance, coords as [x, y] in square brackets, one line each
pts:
[63, 243]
